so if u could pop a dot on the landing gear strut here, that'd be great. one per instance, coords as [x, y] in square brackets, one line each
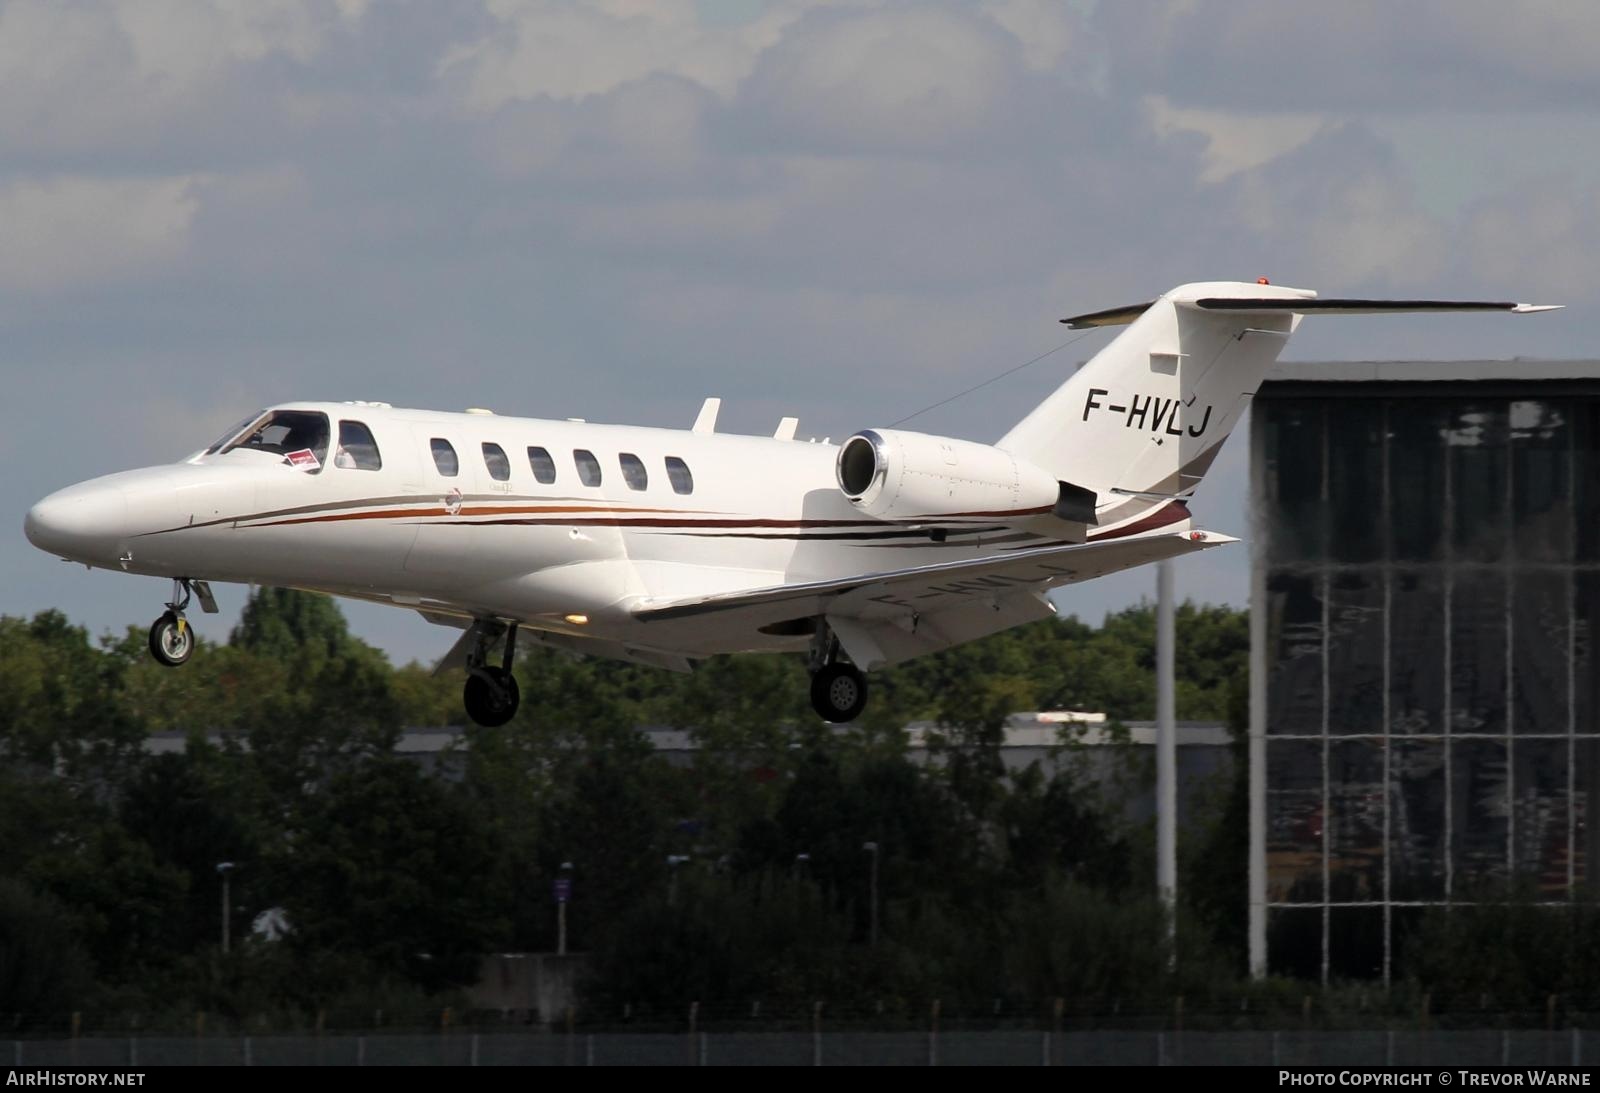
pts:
[171, 636]
[491, 695]
[838, 688]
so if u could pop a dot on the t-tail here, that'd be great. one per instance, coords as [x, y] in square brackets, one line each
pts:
[1139, 424]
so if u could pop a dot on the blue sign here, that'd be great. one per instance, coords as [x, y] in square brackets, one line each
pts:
[563, 889]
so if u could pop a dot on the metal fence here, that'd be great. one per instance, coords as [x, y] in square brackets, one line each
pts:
[1426, 1047]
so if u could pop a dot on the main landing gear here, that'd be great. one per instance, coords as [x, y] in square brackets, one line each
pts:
[171, 636]
[838, 688]
[491, 695]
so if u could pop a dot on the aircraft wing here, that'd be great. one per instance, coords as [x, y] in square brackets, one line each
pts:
[887, 617]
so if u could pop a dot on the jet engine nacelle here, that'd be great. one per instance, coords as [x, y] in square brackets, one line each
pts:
[906, 477]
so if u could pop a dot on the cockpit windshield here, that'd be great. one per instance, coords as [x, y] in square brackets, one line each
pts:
[237, 429]
[299, 436]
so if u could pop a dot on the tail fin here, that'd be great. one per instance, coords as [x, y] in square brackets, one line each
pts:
[1142, 422]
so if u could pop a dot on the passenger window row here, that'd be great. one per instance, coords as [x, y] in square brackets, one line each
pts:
[544, 466]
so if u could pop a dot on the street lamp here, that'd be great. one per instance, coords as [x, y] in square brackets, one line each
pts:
[802, 861]
[872, 848]
[225, 870]
[673, 861]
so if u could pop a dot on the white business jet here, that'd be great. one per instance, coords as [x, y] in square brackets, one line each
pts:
[662, 547]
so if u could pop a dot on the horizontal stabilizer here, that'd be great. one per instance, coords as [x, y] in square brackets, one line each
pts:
[1122, 316]
[1114, 316]
[1357, 307]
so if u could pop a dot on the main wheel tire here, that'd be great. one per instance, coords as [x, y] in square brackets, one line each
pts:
[171, 643]
[838, 693]
[491, 697]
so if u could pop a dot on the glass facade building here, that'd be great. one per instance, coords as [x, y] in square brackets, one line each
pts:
[1426, 707]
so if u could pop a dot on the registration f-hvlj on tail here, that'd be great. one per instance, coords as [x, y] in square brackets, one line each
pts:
[662, 546]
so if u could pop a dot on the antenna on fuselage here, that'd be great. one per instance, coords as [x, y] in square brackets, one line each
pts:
[707, 421]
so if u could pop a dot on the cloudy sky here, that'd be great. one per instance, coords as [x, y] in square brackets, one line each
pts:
[844, 211]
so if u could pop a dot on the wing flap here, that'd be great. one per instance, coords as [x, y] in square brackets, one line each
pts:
[927, 590]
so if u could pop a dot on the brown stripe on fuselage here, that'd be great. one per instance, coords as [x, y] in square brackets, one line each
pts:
[1170, 513]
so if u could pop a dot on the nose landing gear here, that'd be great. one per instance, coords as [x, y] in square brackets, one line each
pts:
[838, 688]
[171, 636]
[491, 695]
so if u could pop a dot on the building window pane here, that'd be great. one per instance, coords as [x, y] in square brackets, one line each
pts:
[1417, 820]
[1541, 623]
[494, 458]
[1478, 650]
[1355, 832]
[1541, 495]
[1295, 818]
[1355, 652]
[1355, 474]
[1476, 438]
[444, 457]
[1585, 661]
[1416, 514]
[1294, 479]
[357, 450]
[1540, 810]
[588, 467]
[1416, 652]
[1294, 652]
[1480, 800]
[543, 467]
[678, 473]
[633, 472]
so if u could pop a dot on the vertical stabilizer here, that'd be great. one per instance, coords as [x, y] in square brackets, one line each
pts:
[1144, 418]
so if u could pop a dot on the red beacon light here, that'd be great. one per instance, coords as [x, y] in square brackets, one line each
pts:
[1262, 281]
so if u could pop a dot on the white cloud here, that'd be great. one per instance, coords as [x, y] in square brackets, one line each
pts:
[1047, 29]
[78, 75]
[563, 50]
[64, 231]
[1266, 55]
[894, 79]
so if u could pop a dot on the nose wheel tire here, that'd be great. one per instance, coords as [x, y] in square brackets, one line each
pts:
[838, 692]
[491, 697]
[171, 640]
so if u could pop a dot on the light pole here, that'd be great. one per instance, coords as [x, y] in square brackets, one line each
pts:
[225, 870]
[673, 861]
[801, 861]
[872, 848]
[563, 893]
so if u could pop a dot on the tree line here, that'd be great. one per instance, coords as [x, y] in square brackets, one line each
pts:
[743, 874]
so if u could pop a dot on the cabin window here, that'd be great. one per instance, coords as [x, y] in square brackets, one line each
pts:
[299, 436]
[588, 467]
[444, 457]
[678, 474]
[494, 458]
[633, 472]
[543, 467]
[357, 450]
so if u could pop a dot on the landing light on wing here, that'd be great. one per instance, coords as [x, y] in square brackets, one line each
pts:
[577, 620]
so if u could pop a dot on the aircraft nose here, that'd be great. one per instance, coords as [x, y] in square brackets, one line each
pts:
[78, 523]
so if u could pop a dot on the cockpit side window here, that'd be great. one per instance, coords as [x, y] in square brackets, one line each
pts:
[299, 436]
[444, 457]
[357, 450]
[494, 458]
